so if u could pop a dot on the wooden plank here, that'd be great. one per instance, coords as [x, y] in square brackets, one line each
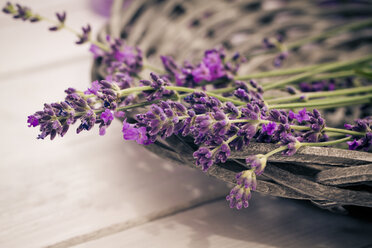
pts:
[344, 176]
[268, 222]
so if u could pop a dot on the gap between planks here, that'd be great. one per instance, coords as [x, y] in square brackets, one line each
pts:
[125, 225]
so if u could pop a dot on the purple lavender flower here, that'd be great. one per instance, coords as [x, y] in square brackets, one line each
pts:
[247, 178]
[222, 153]
[239, 197]
[162, 119]
[97, 52]
[211, 68]
[204, 158]
[291, 90]
[55, 118]
[363, 126]
[105, 119]
[269, 128]
[257, 162]
[20, 12]
[93, 89]
[85, 35]
[315, 86]
[292, 144]
[248, 95]
[121, 79]
[302, 116]
[252, 111]
[245, 134]
[158, 84]
[87, 121]
[317, 124]
[33, 121]
[130, 132]
[170, 65]
[201, 73]
[278, 44]
[231, 110]
[201, 103]
[213, 59]
[241, 193]
[232, 66]
[61, 18]
[120, 57]
[353, 145]
[278, 60]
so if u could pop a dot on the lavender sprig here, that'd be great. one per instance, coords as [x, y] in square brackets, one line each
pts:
[21, 12]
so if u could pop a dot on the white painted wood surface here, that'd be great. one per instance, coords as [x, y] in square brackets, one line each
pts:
[93, 191]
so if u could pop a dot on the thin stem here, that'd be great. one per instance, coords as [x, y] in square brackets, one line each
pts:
[190, 90]
[340, 74]
[332, 106]
[128, 91]
[302, 128]
[321, 94]
[326, 129]
[306, 75]
[226, 142]
[180, 89]
[223, 90]
[279, 149]
[141, 104]
[344, 101]
[282, 72]
[73, 31]
[327, 143]
[330, 33]
[321, 36]
[324, 76]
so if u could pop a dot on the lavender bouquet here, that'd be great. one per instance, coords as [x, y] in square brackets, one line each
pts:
[213, 112]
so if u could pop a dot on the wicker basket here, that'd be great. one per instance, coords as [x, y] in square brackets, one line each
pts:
[330, 178]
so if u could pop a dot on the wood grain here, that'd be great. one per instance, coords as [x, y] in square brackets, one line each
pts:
[289, 224]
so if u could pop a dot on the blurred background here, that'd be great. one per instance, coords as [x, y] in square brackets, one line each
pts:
[90, 191]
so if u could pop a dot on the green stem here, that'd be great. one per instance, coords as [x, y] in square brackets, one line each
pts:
[344, 28]
[306, 75]
[327, 143]
[303, 128]
[227, 142]
[128, 91]
[73, 31]
[282, 72]
[326, 129]
[141, 104]
[279, 149]
[190, 90]
[180, 89]
[344, 101]
[332, 106]
[324, 76]
[223, 90]
[296, 44]
[321, 94]
[340, 74]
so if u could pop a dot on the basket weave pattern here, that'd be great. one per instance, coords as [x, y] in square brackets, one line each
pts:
[329, 177]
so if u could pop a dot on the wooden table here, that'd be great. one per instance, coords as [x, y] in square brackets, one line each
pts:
[90, 191]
